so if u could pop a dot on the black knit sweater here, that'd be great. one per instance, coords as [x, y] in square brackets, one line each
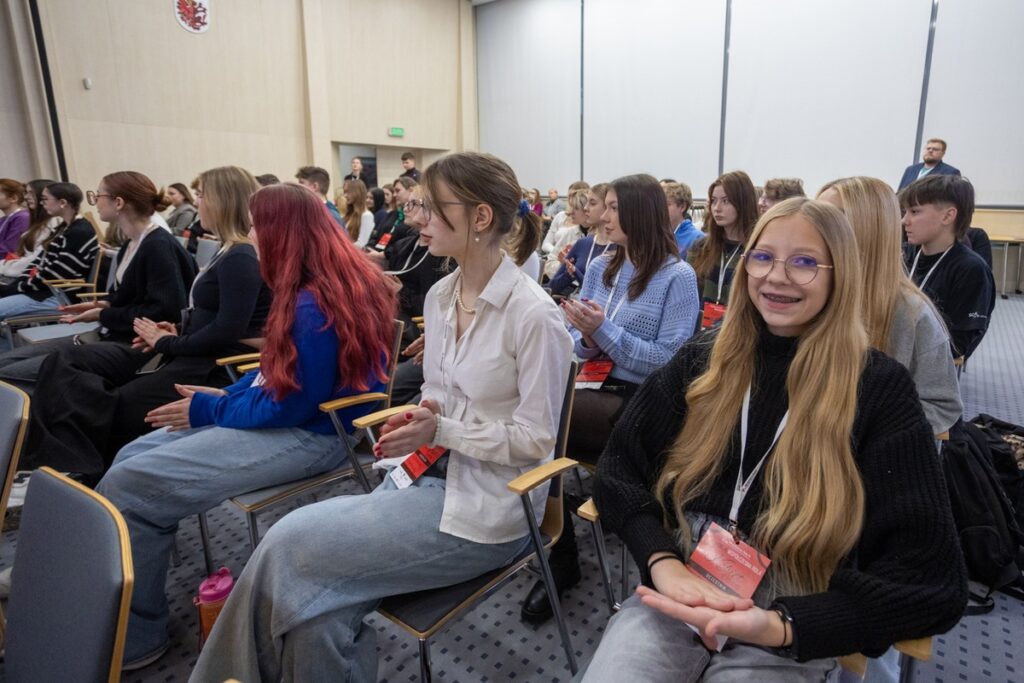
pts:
[904, 579]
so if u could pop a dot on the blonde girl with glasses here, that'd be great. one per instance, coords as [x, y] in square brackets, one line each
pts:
[785, 434]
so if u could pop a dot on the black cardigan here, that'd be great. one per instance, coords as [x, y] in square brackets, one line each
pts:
[904, 579]
[155, 285]
[231, 303]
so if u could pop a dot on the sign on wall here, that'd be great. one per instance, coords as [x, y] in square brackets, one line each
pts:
[193, 15]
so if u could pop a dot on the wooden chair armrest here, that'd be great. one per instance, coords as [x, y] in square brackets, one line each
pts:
[376, 418]
[349, 401]
[26, 320]
[62, 281]
[959, 361]
[942, 436]
[527, 482]
[919, 648]
[417, 318]
[246, 367]
[588, 511]
[92, 295]
[856, 663]
[69, 285]
[242, 358]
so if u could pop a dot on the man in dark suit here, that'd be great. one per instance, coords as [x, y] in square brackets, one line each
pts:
[360, 173]
[932, 163]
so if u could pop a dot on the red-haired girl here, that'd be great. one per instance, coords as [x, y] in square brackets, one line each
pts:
[327, 336]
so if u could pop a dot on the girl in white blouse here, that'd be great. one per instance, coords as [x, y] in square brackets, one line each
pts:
[495, 365]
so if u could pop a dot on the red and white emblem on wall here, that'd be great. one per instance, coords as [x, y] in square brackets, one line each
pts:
[193, 15]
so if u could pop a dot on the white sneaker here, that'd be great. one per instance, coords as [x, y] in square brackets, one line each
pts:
[18, 488]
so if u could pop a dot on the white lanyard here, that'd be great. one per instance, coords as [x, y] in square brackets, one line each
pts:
[615, 286]
[917, 256]
[739, 492]
[406, 269]
[202, 271]
[723, 265]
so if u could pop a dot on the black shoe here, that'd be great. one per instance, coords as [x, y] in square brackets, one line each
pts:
[537, 608]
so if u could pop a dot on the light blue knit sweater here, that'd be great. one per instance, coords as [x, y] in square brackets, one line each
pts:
[642, 334]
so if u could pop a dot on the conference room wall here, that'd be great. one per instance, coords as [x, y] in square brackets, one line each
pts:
[24, 124]
[816, 89]
[265, 88]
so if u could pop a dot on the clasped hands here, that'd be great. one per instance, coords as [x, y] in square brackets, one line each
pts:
[404, 433]
[682, 595]
[585, 315]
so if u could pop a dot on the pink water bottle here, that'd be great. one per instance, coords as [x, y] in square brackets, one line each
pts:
[213, 593]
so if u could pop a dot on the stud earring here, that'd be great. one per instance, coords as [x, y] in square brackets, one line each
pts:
[477, 238]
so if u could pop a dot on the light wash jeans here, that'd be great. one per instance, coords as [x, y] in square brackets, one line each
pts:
[158, 479]
[643, 644]
[19, 304]
[297, 611]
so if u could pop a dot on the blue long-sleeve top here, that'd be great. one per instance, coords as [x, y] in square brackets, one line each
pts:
[582, 254]
[687, 234]
[641, 334]
[249, 405]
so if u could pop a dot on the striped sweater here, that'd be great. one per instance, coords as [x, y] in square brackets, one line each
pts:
[69, 255]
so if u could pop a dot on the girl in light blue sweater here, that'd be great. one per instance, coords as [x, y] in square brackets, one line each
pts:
[636, 308]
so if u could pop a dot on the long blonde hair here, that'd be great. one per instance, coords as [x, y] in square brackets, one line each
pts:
[813, 507]
[874, 212]
[226, 191]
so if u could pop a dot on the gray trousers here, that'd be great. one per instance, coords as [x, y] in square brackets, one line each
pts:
[642, 644]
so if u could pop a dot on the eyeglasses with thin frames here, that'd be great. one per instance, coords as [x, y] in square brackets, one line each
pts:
[428, 208]
[800, 268]
[93, 197]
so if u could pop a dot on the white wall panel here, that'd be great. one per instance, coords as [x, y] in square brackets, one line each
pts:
[976, 94]
[821, 89]
[528, 79]
[652, 89]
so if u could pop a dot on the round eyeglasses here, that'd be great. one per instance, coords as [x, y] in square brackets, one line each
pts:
[800, 268]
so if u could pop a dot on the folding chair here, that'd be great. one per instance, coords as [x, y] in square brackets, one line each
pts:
[71, 586]
[14, 407]
[355, 465]
[423, 613]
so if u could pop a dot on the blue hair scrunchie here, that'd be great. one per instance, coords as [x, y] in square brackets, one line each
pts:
[524, 208]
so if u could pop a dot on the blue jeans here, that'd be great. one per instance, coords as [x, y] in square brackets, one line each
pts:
[19, 304]
[297, 610]
[158, 479]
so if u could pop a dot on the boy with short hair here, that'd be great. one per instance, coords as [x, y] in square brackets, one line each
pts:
[937, 212]
[319, 181]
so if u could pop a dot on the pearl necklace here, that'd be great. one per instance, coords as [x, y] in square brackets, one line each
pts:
[458, 299]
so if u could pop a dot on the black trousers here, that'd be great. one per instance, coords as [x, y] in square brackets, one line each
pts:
[594, 414]
[89, 401]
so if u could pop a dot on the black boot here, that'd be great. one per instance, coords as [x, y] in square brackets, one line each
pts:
[565, 568]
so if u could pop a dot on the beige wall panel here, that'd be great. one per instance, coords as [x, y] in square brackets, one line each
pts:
[162, 154]
[175, 102]
[393, 63]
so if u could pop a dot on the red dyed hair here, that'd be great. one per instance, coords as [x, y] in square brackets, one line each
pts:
[301, 248]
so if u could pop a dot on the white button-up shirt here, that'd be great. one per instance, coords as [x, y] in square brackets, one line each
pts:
[500, 389]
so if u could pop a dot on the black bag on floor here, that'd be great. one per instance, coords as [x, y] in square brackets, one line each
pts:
[990, 537]
[1006, 446]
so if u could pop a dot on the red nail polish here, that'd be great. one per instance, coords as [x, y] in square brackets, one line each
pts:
[408, 416]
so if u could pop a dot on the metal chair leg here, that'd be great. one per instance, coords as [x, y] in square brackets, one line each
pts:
[254, 530]
[204, 534]
[549, 583]
[906, 668]
[626, 572]
[175, 554]
[602, 561]
[425, 673]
